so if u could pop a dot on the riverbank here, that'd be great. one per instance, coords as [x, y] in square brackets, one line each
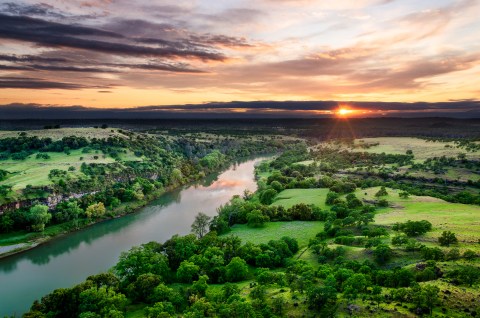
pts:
[33, 240]
[24, 241]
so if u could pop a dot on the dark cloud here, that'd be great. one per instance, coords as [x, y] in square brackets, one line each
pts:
[53, 34]
[466, 108]
[27, 63]
[37, 83]
[41, 9]
[29, 58]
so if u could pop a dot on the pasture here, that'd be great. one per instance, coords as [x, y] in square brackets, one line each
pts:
[289, 197]
[35, 171]
[303, 231]
[421, 148]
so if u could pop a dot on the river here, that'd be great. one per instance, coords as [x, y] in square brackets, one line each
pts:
[68, 260]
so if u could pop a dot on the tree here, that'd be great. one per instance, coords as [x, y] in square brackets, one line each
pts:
[160, 310]
[355, 285]
[469, 255]
[141, 260]
[38, 216]
[399, 240]
[382, 192]
[331, 197]
[323, 299]
[236, 270]
[277, 186]
[200, 286]
[256, 219]
[447, 238]
[404, 195]
[383, 253]
[101, 300]
[95, 210]
[266, 197]
[200, 225]
[187, 272]
[6, 223]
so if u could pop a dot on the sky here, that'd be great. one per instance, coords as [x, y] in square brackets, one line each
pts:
[377, 56]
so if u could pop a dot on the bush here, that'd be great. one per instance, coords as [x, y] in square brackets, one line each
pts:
[447, 238]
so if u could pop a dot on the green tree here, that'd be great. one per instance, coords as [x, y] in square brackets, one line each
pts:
[267, 196]
[430, 293]
[382, 253]
[382, 192]
[200, 286]
[200, 225]
[277, 186]
[236, 270]
[101, 300]
[323, 299]
[141, 260]
[143, 287]
[399, 240]
[447, 238]
[38, 217]
[95, 210]
[187, 272]
[256, 219]
[160, 310]
[354, 285]
[404, 195]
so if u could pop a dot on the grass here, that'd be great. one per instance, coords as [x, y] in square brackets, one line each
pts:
[462, 219]
[57, 134]
[303, 231]
[35, 171]
[288, 198]
[422, 149]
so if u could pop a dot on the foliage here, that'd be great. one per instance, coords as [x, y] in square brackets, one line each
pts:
[447, 238]
[200, 225]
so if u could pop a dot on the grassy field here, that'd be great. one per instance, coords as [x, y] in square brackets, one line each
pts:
[288, 198]
[462, 219]
[422, 149]
[303, 231]
[35, 171]
[57, 134]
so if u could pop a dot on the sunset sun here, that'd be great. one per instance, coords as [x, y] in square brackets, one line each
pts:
[344, 112]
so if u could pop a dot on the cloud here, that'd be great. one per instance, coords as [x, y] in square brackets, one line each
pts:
[38, 83]
[53, 34]
[268, 109]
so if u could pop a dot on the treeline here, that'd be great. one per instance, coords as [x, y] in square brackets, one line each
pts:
[173, 278]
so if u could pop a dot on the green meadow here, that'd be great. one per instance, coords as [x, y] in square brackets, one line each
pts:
[303, 231]
[290, 197]
[35, 172]
[422, 149]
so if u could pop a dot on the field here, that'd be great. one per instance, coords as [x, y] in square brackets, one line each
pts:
[422, 149]
[288, 198]
[57, 134]
[462, 219]
[35, 171]
[302, 231]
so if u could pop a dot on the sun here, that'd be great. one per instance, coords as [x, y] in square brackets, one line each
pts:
[344, 112]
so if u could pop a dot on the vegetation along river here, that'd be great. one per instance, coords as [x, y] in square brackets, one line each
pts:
[68, 260]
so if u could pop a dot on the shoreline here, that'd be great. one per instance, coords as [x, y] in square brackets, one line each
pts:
[134, 207]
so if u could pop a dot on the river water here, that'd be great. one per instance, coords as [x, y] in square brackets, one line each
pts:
[68, 260]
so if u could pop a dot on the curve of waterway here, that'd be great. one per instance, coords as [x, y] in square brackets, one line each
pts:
[68, 260]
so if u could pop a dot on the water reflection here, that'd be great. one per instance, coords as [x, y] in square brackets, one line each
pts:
[68, 260]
